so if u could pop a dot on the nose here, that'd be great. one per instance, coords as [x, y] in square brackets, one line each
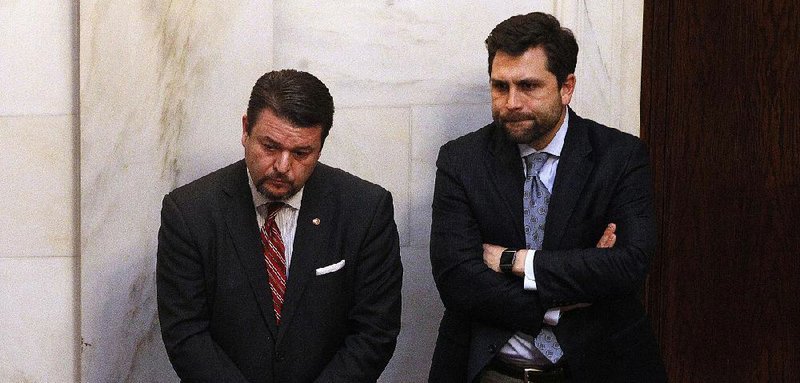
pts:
[513, 99]
[283, 162]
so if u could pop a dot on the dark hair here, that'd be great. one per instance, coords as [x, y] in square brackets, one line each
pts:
[296, 96]
[518, 33]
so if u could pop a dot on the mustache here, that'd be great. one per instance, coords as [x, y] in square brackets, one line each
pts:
[516, 117]
[274, 176]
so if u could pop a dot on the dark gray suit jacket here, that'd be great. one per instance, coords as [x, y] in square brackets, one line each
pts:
[214, 300]
[603, 176]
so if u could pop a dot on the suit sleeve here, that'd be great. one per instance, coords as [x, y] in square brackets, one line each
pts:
[466, 285]
[591, 274]
[183, 306]
[374, 319]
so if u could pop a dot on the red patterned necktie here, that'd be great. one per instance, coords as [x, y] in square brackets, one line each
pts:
[274, 254]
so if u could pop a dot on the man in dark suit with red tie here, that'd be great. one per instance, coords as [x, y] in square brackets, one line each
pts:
[518, 207]
[279, 268]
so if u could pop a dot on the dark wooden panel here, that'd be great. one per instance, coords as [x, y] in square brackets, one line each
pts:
[721, 115]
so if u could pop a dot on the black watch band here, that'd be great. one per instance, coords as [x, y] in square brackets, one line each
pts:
[507, 260]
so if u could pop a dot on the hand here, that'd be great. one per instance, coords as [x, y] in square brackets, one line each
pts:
[609, 238]
[491, 256]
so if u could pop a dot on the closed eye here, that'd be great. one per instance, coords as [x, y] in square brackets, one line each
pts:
[270, 146]
[527, 85]
[303, 153]
[500, 86]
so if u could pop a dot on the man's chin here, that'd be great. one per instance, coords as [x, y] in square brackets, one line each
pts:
[276, 195]
[517, 134]
[523, 132]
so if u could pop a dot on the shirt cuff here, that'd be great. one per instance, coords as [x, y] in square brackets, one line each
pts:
[530, 278]
[552, 316]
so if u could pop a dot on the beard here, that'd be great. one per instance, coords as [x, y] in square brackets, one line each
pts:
[261, 186]
[537, 126]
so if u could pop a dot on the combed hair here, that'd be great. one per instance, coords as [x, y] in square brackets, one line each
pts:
[297, 96]
[518, 33]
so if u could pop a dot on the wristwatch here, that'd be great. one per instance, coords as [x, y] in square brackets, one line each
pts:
[507, 260]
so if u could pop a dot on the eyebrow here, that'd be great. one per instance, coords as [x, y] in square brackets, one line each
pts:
[269, 140]
[526, 80]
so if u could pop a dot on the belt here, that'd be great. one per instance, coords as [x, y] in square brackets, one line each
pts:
[529, 375]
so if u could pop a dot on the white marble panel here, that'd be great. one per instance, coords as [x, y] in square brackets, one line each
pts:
[375, 144]
[609, 37]
[432, 127]
[422, 311]
[163, 88]
[39, 340]
[38, 50]
[39, 186]
[397, 52]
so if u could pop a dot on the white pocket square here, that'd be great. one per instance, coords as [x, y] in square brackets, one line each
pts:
[330, 268]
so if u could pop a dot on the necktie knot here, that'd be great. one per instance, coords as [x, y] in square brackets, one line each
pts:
[272, 209]
[534, 163]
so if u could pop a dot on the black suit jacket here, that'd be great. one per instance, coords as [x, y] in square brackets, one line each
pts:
[603, 176]
[214, 301]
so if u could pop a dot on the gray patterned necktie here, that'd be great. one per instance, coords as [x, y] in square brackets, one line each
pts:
[536, 198]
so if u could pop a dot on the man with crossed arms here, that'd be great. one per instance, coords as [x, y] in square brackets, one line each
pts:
[518, 206]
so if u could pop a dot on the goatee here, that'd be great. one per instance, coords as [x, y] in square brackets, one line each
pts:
[261, 188]
[532, 131]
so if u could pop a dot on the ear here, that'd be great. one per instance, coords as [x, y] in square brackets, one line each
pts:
[567, 88]
[244, 128]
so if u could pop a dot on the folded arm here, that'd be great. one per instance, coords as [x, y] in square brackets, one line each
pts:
[465, 284]
[492, 254]
[587, 275]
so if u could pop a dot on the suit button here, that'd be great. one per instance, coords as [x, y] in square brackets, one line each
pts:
[279, 358]
[492, 348]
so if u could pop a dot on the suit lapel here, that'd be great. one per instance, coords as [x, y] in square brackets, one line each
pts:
[315, 221]
[243, 228]
[505, 170]
[574, 168]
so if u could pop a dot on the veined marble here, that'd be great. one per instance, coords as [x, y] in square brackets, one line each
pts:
[432, 127]
[374, 144]
[379, 53]
[163, 88]
[609, 66]
[164, 85]
[422, 311]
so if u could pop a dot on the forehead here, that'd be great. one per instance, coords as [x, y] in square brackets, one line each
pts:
[270, 127]
[530, 64]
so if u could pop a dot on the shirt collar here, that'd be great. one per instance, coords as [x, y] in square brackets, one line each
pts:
[555, 145]
[259, 199]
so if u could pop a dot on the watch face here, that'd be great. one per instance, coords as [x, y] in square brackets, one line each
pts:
[507, 260]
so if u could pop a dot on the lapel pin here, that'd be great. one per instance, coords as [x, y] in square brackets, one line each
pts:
[315, 221]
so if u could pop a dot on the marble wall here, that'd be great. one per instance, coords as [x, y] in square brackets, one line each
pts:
[162, 88]
[38, 212]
